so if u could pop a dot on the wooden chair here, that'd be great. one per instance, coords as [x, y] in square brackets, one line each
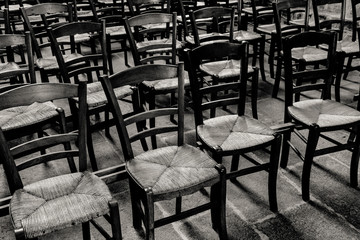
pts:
[138, 7]
[96, 64]
[231, 134]
[59, 202]
[317, 115]
[154, 45]
[113, 15]
[167, 172]
[49, 14]
[16, 69]
[347, 46]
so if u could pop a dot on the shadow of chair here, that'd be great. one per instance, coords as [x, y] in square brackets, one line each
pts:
[59, 202]
[230, 134]
[320, 116]
[167, 172]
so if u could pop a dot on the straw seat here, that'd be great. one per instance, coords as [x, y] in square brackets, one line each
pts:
[59, 202]
[7, 68]
[324, 113]
[174, 170]
[50, 63]
[232, 132]
[223, 69]
[21, 116]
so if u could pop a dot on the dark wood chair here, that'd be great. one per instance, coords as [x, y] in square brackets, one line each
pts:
[36, 20]
[16, 70]
[62, 201]
[167, 172]
[230, 134]
[92, 66]
[138, 7]
[347, 45]
[307, 56]
[317, 115]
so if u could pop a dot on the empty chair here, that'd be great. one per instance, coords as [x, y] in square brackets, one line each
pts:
[54, 203]
[167, 172]
[17, 69]
[232, 134]
[318, 115]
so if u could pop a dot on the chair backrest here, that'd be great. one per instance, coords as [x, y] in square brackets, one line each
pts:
[50, 13]
[8, 42]
[215, 20]
[148, 6]
[230, 53]
[182, 9]
[355, 5]
[134, 76]
[25, 151]
[319, 79]
[281, 7]
[336, 23]
[144, 27]
[4, 21]
[84, 10]
[262, 13]
[85, 64]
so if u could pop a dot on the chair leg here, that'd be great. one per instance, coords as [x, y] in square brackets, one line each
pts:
[273, 172]
[277, 77]
[272, 56]
[115, 220]
[340, 64]
[234, 165]
[261, 58]
[107, 119]
[348, 66]
[91, 147]
[149, 215]
[178, 205]
[285, 149]
[20, 234]
[313, 138]
[152, 120]
[355, 160]
[86, 231]
[254, 93]
[218, 199]
[135, 205]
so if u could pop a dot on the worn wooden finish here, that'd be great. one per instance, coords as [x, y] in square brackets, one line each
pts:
[308, 120]
[148, 194]
[208, 134]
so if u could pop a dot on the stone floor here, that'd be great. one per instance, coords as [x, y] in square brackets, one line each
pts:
[332, 213]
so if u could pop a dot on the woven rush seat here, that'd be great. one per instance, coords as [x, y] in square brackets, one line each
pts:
[78, 38]
[48, 63]
[96, 95]
[16, 7]
[191, 40]
[231, 132]
[245, 36]
[347, 46]
[309, 54]
[21, 116]
[116, 30]
[59, 202]
[145, 44]
[249, 10]
[325, 113]
[166, 85]
[7, 68]
[173, 170]
[223, 69]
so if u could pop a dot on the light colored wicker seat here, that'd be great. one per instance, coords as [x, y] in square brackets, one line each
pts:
[170, 171]
[223, 69]
[21, 116]
[318, 115]
[232, 132]
[59, 202]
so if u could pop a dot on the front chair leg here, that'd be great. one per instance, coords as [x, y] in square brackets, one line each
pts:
[218, 200]
[355, 160]
[313, 138]
[273, 172]
[86, 231]
[149, 214]
[115, 219]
